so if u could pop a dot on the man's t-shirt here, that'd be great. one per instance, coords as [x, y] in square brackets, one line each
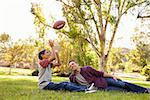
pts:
[91, 76]
[45, 73]
[81, 80]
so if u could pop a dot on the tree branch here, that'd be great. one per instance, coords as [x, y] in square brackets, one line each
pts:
[132, 7]
[112, 38]
[98, 3]
[147, 16]
[65, 4]
[105, 27]
[122, 7]
[95, 49]
[93, 18]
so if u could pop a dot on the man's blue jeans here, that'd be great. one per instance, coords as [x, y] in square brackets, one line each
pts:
[65, 86]
[125, 86]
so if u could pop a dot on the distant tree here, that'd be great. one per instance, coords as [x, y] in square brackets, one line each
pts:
[14, 53]
[143, 47]
[142, 55]
[4, 39]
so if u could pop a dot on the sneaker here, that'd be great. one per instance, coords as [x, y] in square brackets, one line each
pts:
[91, 89]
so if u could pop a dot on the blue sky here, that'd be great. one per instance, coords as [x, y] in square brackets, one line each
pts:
[16, 20]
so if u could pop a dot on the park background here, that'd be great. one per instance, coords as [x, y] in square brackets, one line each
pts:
[113, 36]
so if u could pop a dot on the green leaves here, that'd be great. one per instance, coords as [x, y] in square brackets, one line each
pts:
[130, 4]
[112, 19]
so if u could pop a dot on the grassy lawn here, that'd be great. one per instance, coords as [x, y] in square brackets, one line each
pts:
[19, 87]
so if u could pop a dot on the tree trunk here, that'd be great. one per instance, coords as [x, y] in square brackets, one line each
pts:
[10, 70]
[103, 63]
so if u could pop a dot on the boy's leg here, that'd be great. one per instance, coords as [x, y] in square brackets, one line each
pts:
[74, 87]
[54, 86]
[65, 86]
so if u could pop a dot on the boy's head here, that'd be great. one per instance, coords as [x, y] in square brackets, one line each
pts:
[44, 54]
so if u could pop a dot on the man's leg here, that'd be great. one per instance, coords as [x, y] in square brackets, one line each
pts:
[135, 88]
[125, 85]
[114, 88]
[65, 86]
[113, 82]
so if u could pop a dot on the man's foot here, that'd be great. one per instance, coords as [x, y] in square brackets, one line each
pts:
[148, 89]
[91, 89]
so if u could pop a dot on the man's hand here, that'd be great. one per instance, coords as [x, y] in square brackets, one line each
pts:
[116, 78]
[51, 43]
[112, 76]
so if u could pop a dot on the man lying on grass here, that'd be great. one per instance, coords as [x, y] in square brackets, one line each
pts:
[46, 62]
[87, 75]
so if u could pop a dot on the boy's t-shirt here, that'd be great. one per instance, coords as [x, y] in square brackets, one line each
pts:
[45, 73]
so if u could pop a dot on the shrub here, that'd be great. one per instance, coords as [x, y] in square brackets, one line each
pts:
[146, 72]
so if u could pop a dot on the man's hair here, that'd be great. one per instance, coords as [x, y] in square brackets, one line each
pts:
[41, 53]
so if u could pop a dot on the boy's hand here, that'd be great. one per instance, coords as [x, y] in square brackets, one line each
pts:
[51, 43]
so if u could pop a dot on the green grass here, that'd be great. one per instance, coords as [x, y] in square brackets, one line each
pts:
[15, 71]
[19, 87]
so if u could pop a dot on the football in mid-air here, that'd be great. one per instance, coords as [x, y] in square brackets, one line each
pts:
[59, 24]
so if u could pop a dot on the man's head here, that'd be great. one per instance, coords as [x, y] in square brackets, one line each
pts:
[73, 65]
[44, 54]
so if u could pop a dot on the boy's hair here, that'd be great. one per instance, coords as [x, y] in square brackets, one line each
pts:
[40, 54]
[71, 61]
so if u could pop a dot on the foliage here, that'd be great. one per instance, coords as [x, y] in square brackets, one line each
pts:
[116, 56]
[117, 59]
[143, 45]
[87, 22]
[40, 25]
[20, 53]
[4, 38]
[68, 51]
[88, 19]
[141, 56]
[83, 37]
[146, 72]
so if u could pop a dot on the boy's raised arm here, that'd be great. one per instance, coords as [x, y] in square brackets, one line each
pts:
[55, 54]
